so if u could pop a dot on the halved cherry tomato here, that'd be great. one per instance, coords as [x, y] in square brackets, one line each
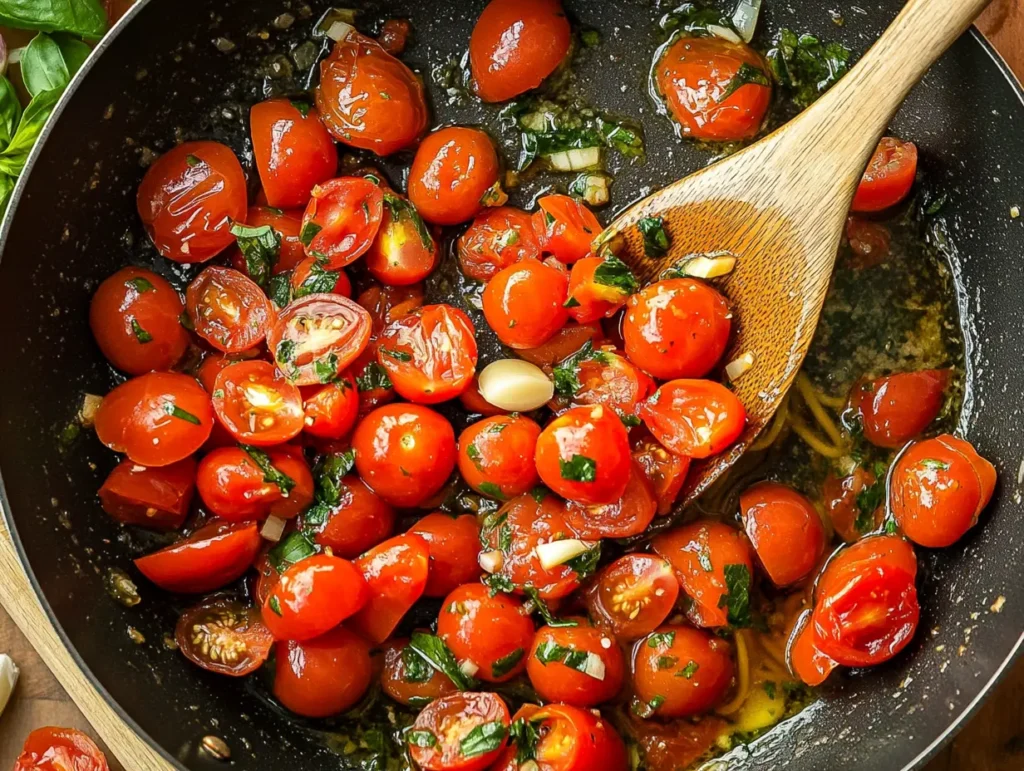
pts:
[565, 227]
[239, 484]
[607, 378]
[598, 288]
[60, 749]
[228, 310]
[317, 337]
[404, 251]
[578, 665]
[494, 633]
[359, 521]
[313, 596]
[454, 543]
[568, 739]
[889, 176]
[563, 344]
[224, 636]
[385, 304]
[341, 220]
[212, 557]
[396, 572]
[369, 99]
[323, 676]
[497, 238]
[679, 671]
[454, 175]
[310, 277]
[701, 553]
[135, 318]
[496, 456]
[805, 659]
[628, 516]
[405, 453]
[149, 497]
[394, 35]
[213, 363]
[785, 531]
[293, 150]
[676, 744]
[155, 419]
[438, 739]
[694, 418]
[897, 408]
[633, 595]
[525, 303]
[410, 680]
[700, 81]
[869, 241]
[331, 410]
[847, 509]
[257, 404]
[665, 471]
[583, 455]
[288, 225]
[189, 199]
[474, 403]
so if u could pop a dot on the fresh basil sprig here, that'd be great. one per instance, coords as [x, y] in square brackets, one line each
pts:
[79, 17]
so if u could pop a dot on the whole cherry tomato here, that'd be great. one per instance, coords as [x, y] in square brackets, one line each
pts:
[598, 288]
[785, 531]
[454, 543]
[496, 456]
[331, 410]
[565, 227]
[854, 503]
[404, 251]
[679, 671]
[257, 404]
[396, 572]
[410, 680]
[498, 237]
[60, 749]
[317, 337]
[592, 377]
[293, 150]
[357, 521]
[897, 408]
[149, 497]
[224, 636]
[568, 739]
[454, 175]
[313, 596]
[628, 516]
[579, 665]
[239, 484]
[310, 277]
[694, 418]
[633, 595]
[889, 176]
[323, 676]
[342, 220]
[525, 303]
[442, 738]
[228, 310]
[212, 557]
[665, 471]
[287, 225]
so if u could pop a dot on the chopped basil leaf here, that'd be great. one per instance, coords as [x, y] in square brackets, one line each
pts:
[736, 600]
[615, 273]
[294, 548]
[275, 605]
[659, 639]
[400, 209]
[261, 248]
[890, 526]
[689, 670]
[868, 501]
[192, 160]
[628, 139]
[329, 474]
[585, 564]
[141, 334]
[308, 233]
[545, 611]
[414, 668]
[629, 421]
[806, 67]
[590, 37]
[746, 74]
[140, 284]
[374, 377]
[434, 651]
[933, 464]
[397, 355]
[566, 374]
[579, 469]
[572, 302]
[539, 493]
[319, 281]
[506, 664]
[484, 738]
[524, 735]
[270, 474]
[315, 517]
[549, 651]
[667, 662]
[655, 238]
[175, 411]
[302, 106]
[286, 351]
[326, 369]
[492, 490]
[656, 702]
[499, 584]
[279, 289]
[422, 739]
[769, 688]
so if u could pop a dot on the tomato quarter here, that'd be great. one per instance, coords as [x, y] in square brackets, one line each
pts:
[60, 749]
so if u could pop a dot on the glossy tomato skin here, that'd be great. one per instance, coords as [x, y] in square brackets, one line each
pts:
[394, 35]
[351, 101]
[224, 636]
[331, 410]
[135, 320]
[608, 378]
[525, 304]
[189, 199]
[396, 572]
[633, 595]
[693, 77]
[60, 749]
[293, 150]
[565, 227]
[557, 681]
[358, 522]
[569, 739]
[404, 252]
[450, 719]
[889, 177]
[498, 237]
[805, 658]
[408, 679]
[452, 172]
[515, 45]
[583, 455]
[212, 557]
[341, 220]
[288, 225]
[785, 530]
[323, 676]
[228, 310]
[155, 419]
[310, 277]
[628, 516]
[405, 453]
[150, 497]
[313, 596]
[386, 303]
[665, 471]
[496, 456]
[257, 404]
[316, 338]
[897, 408]
[474, 403]
[598, 288]
[840, 498]
[562, 344]
[454, 543]
[694, 418]
[233, 486]
[688, 668]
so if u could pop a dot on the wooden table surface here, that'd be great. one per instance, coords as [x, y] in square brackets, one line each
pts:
[993, 741]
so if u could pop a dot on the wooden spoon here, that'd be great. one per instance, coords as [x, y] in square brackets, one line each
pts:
[780, 205]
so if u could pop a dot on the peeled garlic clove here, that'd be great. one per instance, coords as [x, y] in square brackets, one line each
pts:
[555, 553]
[515, 385]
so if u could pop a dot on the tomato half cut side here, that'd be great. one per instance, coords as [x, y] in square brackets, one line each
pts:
[224, 636]
[341, 220]
[404, 252]
[60, 749]
[694, 418]
[633, 595]
[459, 732]
[257, 404]
[212, 557]
[317, 337]
[149, 497]
[396, 572]
[228, 309]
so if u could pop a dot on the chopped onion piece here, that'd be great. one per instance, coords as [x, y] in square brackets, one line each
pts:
[576, 159]
[595, 189]
[8, 679]
[87, 413]
[491, 561]
[724, 32]
[744, 18]
[712, 266]
[469, 668]
[338, 31]
[273, 529]
[556, 553]
[515, 385]
[594, 666]
[738, 367]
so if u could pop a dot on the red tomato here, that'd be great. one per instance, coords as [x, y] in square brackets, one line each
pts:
[843, 503]
[493, 633]
[897, 408]
[385, 304]
[396, 572]
[135, 317]
[359, 521]
[437, 738]
[665, 471]
[496, 456]
[404, 252]
[310, 277]
[785, 531]
[454, 543]
[626, 517]
[60, 749]
[583, 455]
[293, 150]
[405, 453]
[598, 288]
[889, 176]
[679, 672]
[633, 595]
[474, 403]
[240, 484]
[316, 338]
[694, 418]
[228, 310]
[869, 242]
[454, 175]
[331, 410]
[323, 676]
[155, 419]
[212, 557]
[569, 739]
[805, 659]
[524, 304]
[394, 35]
[223, 636]
[408, 679]
[257, 404]
[497, 238]
[700, 552]
[695, 77]
[189, 199]
[288, 225]
[369, 99]
[214, 363]
[939, 488]
[677, 744]
[563, 344]
[606, 378]
[578, 665]
[565, 227]
[150, 497]
[341, 220]
[313, 596]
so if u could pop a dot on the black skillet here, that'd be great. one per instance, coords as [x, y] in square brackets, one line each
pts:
[161, 77]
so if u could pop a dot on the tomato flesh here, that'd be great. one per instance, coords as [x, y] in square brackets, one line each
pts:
[60, 749]
[628, 516]
[228, 310]
[454, 543]
[316, 338]
[633, 595]
[257, 404]
[446, 722]
[565, 227]
[694, 418]
[889, 177]
[224, 636]
[404, 251]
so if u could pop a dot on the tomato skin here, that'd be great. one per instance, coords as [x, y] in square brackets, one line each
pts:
[341, 220]
[387, 303]
[323, 676]
[223, 636]
[889, 177]
[628, 516]
[394, 35]
[565, 227]
[233, 486]
[693, 76]
[633, 595]
[294, 152]
[189, 199]
[571, 739]
[60, 749]
[360, 521]
[316, 338]
[592, 299]
[212, 557]
[785, 530]
[228, 310]
[897, 408]
[136, 305]
[675, 744]
[555, 681]
[149, 497]
[474, 403]
[137, 418]
[353, 80]
[396, 572]
[396, 680]
[694, 418]
[404, 251]
[665, 471]
[869, 241]
[450, 719]
[612, 380]
[314, 595]
[565, 342]
[288, 225]
[256, 404]
[682, 696]
[496, 456]
[452, 172]
[525, 304]
[454, 543]
[405, 453]
[331, 410]
[498, 237]
[595, 435]
[805, 659]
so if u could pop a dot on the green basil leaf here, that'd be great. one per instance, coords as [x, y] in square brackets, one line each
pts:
[294, 548]
[14, 156]
[736, 601]
[434, 651]
[261, 248]
[279, 289]
[506, 664]
[661, 639]
[655, 238]
[10, 111]
[525, 736]
[374, 377]
[689, 670]
[141, 334]
[175, 411]
[50, 61]
[615, 273]
[79, 17]
[566, 374]
[421, 739]
[485, 738]
[414, 668]
[319, 281]
[746, 74]
[270, 474]
[545, 611]
[329, 474]
[579, 468]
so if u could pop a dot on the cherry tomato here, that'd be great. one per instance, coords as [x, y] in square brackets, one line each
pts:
[568, 739]
[454, 175]
[496, 456]
[149, 497]
[228, 310]
[357, 522]
[626, 517]
[524, 304]
[633, 595]
[368, 99]
[404, 251]
[578, 665]
[897, 408]
[317, 337]
[396, 572]
[405, 453]
[785, 531]
[869, 241]
[583, 455]
[323, 676]
[155, 419]
[565, 227]
[394, 35]
[257, 404]
[310, 277]
[847, 509]
[135, 318]
[492, 632]
[454, 543]
[438, 739]
[665, 471]
[697, 78]
[679, 671]
[293, 150]
[214, 363]
[498, 237]
[889, 176]
[702, 553]
[805, 659]
[288, 225]
[342, 220]
[606, 378]
[939, 488]
[331, 410]
[313, 596]
[224, 636]
[212, 557]
[563, 344]
[677, 744]
[598, 288]
[239, 484]
[410, 680]
[60, 749]
[694, 418]
[385, 304]
[189, 199]
[474, 402]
